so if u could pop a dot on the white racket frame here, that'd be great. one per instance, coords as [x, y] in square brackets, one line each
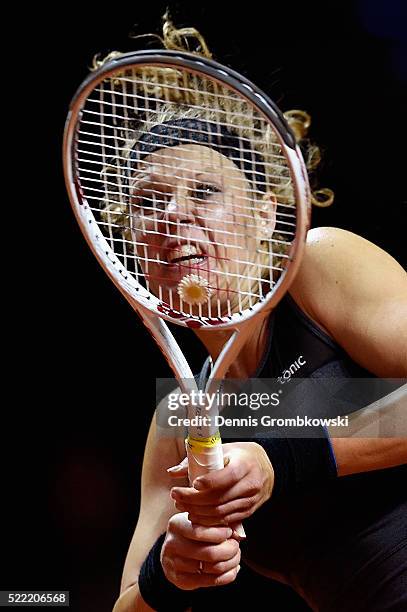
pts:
[146, 304]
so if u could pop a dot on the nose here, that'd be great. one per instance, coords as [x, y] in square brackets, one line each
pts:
[180, 207]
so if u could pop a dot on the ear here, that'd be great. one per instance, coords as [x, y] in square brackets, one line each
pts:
[266, 215]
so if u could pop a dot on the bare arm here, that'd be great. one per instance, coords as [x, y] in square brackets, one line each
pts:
[185, 546]
[367, 454]
[376, 436]
[155, 511]
[358, 294]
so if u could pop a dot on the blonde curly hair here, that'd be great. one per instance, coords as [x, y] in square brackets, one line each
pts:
[184, 95]
[170, 85]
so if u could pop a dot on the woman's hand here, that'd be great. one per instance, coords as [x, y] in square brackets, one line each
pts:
[230, 495]
[196, 556]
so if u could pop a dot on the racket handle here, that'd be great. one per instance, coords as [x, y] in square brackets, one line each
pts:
[207, 460]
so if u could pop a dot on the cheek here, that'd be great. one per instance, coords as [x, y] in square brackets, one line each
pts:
[223, 225]
[147, 243]
[212, 215]
[242, 223]
[226, 211]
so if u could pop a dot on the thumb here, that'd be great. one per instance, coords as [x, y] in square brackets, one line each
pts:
[177, 471]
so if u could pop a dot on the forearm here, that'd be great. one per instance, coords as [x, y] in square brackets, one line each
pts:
[385, 418]
[376, 436]
[131, 600]
[355, 455]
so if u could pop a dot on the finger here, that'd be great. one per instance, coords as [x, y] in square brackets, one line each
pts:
[221, 479]
[192, 566]
[180, 470]
[220, 495]
[221, 511]
[185, 565]
[206, 521]
[239, 517]
[209, 497]
[213, 553]
[236, 495]
[227, 577]
[196, 581]
[221, 567]
[178, 525]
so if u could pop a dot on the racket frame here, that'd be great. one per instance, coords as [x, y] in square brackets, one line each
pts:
[133, 290]
[148, 306]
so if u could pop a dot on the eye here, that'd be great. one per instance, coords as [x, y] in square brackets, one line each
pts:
[203, 191]
[148, 201]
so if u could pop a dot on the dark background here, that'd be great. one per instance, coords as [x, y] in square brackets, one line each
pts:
[80, 373]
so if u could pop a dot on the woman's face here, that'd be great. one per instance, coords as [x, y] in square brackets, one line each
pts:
[193, 213]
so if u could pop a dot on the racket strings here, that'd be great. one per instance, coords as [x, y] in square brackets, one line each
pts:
[112, 218]
[155, 116]
[152, 197]
[237, 247]
[121, 165]
[114, 187]
[213, 258]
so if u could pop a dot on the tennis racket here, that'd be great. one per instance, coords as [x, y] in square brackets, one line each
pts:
[190, 190]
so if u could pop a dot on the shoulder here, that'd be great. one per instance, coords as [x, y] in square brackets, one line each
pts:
[352, 289]
[327, 249]
[339, 263]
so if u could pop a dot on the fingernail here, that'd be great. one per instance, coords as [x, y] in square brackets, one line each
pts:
[238, 569]
[175, 468]
[198, 484]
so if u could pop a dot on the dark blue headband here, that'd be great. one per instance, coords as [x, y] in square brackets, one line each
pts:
[189, 131]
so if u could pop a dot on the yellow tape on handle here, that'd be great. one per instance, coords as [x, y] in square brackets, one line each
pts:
[198, 445]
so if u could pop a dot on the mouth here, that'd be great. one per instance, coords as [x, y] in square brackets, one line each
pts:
[189, 254]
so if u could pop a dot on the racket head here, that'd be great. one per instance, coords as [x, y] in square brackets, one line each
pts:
[109, 108]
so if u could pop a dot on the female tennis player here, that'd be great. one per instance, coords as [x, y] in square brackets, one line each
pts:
[325, 518]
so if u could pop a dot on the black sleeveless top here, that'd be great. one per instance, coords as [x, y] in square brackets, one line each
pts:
[311, 537]
[298, 351]
[296, 345]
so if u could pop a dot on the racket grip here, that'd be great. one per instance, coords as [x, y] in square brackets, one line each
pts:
[207, 460]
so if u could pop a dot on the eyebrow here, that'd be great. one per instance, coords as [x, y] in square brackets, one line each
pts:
[215, 175]
[208, 170]
[144, 173]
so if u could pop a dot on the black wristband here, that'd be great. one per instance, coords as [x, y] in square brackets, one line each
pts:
[298, 462]
[155, 589]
